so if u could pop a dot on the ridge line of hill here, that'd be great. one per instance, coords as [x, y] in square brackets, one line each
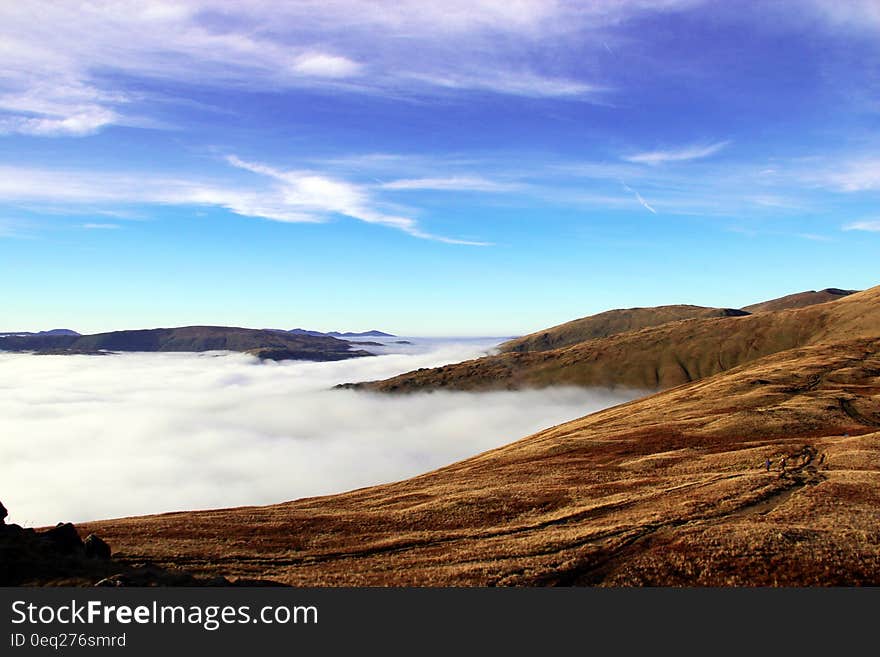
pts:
[654, 357]
[265, 344]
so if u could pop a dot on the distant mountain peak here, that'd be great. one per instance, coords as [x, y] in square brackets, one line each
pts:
[49, 332]
[366, 334]
[265, 344]
[348, 334]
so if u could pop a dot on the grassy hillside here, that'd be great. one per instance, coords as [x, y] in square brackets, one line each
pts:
[610, 323]
[657, 357]
[671, 489]
[799, 300]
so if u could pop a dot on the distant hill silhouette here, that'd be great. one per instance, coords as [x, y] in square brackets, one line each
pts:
[365, 334]
[50, 332]
[337, 334]
[264, 344]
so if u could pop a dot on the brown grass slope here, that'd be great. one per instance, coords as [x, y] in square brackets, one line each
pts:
[610, 323]
[666, 490]
[799, 300]
[657, 357]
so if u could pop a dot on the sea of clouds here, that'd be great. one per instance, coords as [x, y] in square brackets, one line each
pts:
[92, 437]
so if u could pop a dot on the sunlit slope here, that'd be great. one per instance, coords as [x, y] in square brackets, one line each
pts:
[671, 489]
[799, 300]
[657, 357]
[610, 323]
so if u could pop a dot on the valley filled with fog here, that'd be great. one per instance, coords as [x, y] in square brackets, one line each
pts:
[93, 437]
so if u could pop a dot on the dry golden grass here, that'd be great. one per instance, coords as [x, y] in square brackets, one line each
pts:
[799, 300]
[610, 323]
[658, 357]
[666, 490]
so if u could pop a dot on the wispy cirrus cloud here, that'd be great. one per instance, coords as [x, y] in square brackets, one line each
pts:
[91, 226]
[683, 154]
[75, 124]
[855, 175]
[69, 72]
[291, 196]
[510, 82]
[452, 183]
[639, 198]
[101, 188]
[311, 193]
[813, 237]
[870, 226]
[65, 74]
[852, 14]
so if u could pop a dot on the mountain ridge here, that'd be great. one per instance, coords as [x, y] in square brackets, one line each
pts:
[261, 343]
[336, 334]
[611, 322]
[799, 300]
[655, 357]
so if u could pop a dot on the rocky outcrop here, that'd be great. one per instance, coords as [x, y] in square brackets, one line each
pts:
[59, 556]
[96, 548]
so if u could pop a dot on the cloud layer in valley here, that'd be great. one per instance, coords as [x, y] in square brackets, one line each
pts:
[88, 437]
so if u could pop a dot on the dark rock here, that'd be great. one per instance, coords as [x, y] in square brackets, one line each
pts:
[219, 580]
[3, 514]
[64, 538]
[151, 575]
[96, 548]
[58, 557]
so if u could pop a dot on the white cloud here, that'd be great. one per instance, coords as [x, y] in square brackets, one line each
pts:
[74, 125]
[774, 201]
[644, 203]
[20, 184]
[454, 183]
[514, 83]
[871, 226]
[326, 66]
[813, 237]
[854, 176]
[639, 198]
[309, 192]
[295, 196]
[101, 226]
[850, 14]
[231, 431]
[95, 187]
[64, 65]
[677, 155]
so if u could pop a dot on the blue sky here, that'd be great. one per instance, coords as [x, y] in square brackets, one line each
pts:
[476, 168]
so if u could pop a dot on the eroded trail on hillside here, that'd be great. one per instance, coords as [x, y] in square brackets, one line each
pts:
[642, 539]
